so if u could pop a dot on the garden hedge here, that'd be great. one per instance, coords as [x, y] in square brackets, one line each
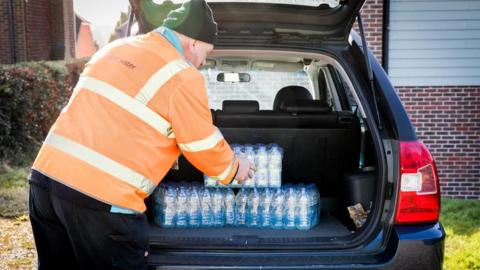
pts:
[31, 97]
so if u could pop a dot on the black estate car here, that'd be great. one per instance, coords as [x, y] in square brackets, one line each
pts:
[294, 73]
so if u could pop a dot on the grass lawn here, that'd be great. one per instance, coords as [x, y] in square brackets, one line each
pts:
[13, 191]
[461, 219]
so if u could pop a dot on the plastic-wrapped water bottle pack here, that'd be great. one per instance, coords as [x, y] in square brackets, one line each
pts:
[267, 160]
[190, 205]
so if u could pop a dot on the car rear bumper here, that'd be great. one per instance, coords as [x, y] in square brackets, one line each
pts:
[419, 247]
[409, 247]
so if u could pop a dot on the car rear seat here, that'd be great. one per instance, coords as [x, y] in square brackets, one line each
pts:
[301, 114]
[290, 94]
[319, 143]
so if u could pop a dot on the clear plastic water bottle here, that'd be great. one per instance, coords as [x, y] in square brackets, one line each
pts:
[303, 215]
[159, 192]
[266, 197]
[169, 208]
[194, 186]
[181, 205]
[276, 209]
[249, 151]
[206, 203]
[315, 203]
[252, 215]
[289, 209]
[186, 185]
[218, 208]
[237, 149]
[253, 202]
[261, 177]
[275, 157]
[229, 207]
[210, 181]
[174, 185]
[249, 148]
[158, 197]
[241, 207]
[194, 209]
[261, 163]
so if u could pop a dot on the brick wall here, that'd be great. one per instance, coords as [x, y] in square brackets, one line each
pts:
[372, 15]
[40, 32]
[58, 29]
[447, 120]
[5, 43]
[5, 54]
[20, 26]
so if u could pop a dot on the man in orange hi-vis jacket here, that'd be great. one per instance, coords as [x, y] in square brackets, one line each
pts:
[138, 105]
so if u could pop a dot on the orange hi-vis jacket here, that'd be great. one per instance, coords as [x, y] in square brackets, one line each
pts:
[137, 106]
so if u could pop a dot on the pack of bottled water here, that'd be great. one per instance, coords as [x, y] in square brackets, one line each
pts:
[268, 161]
[190, 205]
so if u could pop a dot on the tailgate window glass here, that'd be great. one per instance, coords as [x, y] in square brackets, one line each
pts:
[263, 86]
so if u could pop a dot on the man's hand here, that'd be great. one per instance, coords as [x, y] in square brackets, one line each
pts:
[246, 169]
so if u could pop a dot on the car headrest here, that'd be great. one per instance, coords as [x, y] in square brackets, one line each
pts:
[306, 107]
[290, 94]
[240, 106]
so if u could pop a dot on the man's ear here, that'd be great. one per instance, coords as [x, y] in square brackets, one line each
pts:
[191, 45]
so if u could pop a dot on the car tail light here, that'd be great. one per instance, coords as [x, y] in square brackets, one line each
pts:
[419, 198]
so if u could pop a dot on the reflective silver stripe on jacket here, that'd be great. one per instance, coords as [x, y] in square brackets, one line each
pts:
[158, 79]
[226, 172]
[126, 102]
[100, 162]
[204, 144]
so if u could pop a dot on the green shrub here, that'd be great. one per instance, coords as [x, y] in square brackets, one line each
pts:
[31, 97]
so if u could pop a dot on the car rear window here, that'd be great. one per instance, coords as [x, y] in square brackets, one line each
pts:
[262, 87]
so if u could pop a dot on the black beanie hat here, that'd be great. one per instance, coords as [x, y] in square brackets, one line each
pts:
[193, 19]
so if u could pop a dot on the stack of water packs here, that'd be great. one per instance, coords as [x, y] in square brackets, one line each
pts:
[190, 205]
[267, 160]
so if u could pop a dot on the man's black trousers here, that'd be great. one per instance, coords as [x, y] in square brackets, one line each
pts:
[74, 231]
